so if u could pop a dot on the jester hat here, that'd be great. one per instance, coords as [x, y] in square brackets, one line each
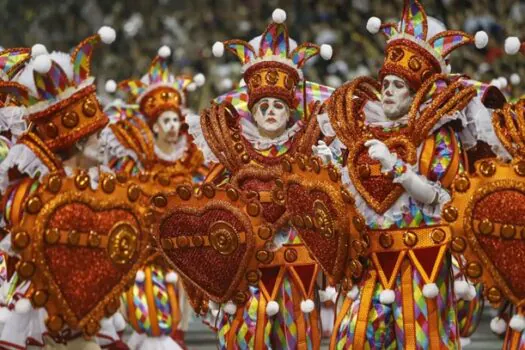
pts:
[59, 92]
[159, 90]
[410, 54]
[274, 68]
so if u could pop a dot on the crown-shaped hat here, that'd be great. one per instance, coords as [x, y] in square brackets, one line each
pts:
[410, 53]
[59, 92]
[274, 68]
[159, 90]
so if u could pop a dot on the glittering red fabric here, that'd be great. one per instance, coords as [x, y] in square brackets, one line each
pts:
[325, 250]
[502, 207]
[379, 187]
[84, 275]
[508, 257]
[271, 211]
[204, 266]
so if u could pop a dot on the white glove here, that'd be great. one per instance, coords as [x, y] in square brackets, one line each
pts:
[323, 151]
[418, 188]
[377, 150]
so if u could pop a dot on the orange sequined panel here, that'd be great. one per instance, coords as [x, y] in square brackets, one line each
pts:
[380, 186]
[489, 210]
[212, 266]
[85, 274]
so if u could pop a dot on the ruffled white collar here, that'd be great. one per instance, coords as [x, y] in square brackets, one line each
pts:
[375, 116]
[251, 134]
[180, 148]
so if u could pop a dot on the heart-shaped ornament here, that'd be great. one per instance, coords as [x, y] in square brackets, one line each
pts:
[80, 248]
[378, 189]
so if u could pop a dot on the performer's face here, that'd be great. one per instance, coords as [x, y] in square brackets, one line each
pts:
[167, 127]
[271, 116]
[91, 149]
[396, 97]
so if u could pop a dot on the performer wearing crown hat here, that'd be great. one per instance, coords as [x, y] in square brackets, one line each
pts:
[250, 130]
[64, 119]
[147, 136]
[405, 136]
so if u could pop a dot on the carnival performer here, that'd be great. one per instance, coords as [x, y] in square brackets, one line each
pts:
[147, 136]
[404, 138]
[249, 131]
[64, 119]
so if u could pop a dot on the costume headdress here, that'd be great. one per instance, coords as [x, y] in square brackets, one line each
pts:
[159, 90]
[413, 56]
[274, 69]
[59, 92]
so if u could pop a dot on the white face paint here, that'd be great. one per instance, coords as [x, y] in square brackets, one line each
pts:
[396, 97]
[91, 150]
[271, 116]
[167, 127]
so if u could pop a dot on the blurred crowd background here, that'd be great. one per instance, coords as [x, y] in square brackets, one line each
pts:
[190, 27]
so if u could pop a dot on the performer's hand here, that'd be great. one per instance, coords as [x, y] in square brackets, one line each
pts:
[322, 151]
[377, 150]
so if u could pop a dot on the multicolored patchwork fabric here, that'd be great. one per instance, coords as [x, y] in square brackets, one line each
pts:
[386, 323]
[443, 153]
[469, 312]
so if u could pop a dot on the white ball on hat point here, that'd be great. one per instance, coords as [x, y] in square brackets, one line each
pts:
[512, 45]
[503, 82]
[38, 49]
[279, 16]
[218, 49]
[199, 79]
[481, 39]
[111, 86]
[326, 51]
[42, 64]
[373, 25]
[515, 79]
[107, 34]
[164, 51]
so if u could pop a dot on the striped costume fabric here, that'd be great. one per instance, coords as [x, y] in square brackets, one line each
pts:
[469, 312]
[386, 328]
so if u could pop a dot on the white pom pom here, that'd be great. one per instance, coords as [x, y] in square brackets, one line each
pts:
[279, 16]
[512, 45]
[495, 82]
[218, 49]
[140, 276]
[503, 82]
[387, 296]
[38, 49]
[42, 64]
[517, 323]
[430, 290]
[353, 293]
[191, 87]
[498, 325]
[119, 322]
[22, 306]
[460, 288]
[111, 86]
[515, 79]
[5, 314]
[481, 39]
[326, 51]
[199, 79]
[164, 52]
[329, 294]
[307, 306]
[107, 34]
[373, 25]
[272, 308]
[464, 341]
[171, 277]
[230, 308]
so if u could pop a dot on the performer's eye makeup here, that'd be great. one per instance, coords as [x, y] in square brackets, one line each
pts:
[278, 105]
[399, 84]
[264, 107]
